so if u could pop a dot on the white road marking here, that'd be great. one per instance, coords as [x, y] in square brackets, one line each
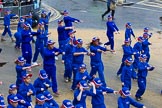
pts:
[151, 4]
[143, 8]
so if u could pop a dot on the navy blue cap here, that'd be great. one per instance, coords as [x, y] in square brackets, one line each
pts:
[67, 104]
[144, 56]
[21, 59]
[79, 41]
[43, 74]
[50, 42]
[95, 38]
[60, 21]
[48, 95]
[109, 16]
[97, 81]
[83, 83]
[26, 75]
[140, 38]
[12, 86]
[82, 66]
[65, 12]
[26, 24]
[40, 97]
[125, 91]
[129, 60]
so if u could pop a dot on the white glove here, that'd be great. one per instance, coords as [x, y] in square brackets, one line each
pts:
[42, 89]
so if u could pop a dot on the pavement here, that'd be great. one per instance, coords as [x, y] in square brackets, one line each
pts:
[152, 97]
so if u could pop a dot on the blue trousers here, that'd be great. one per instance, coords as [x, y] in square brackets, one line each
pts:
[128, 84]
[18, 38]
[68, 69]
[51, 72]
[39, 48]
[27, 52]
[111, 42]
[120, 69]
[98, 67]
[7, 30]
[141, 86]
[99, 106]
[75, 70]
[62, 46]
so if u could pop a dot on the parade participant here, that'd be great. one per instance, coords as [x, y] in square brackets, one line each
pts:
[26, 89]
[40, 101]
[13, 91]
[49, 64]
[78, 57]
[69, 20]
[145, 46]
[124, 101]
[45, 17]
[129, 31]
[67, 104]
[96, 61]
[111, 29]
[2, 103]
[13, 100]
[69, 48]
[128, 73]
[50, 101]
[42, 83]
[7, 18]
[146, 30]
[98, 99]
[138, 49]
[81, 93]
[127, 52]
[17, 35]
[39, 45]
[143, 68]
[27, 35]
[81, 74]
[21, 68]
[109, 8]
[63, 36]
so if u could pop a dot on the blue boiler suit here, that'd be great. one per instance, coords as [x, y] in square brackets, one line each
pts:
[145, 47]
[40, 83]
[50, 66]
[20, 72]
[96, 63]
[24, 89]
[138, 49]
[69, 22]
[98, 99]
[68, 61]
[45, 105]
[77, 61]
[128, 33]
[39, 46]
[46, 23]
[84, 95]
[7, 24]
[127, 52]
[142, 74]
[126, 75]
[26, 46]
[18, 106]
[126, 102]
[111, 28]
[63, 38]
[17, 35]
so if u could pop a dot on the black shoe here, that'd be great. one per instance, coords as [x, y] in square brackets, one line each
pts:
[138, 98]
[102, 17]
